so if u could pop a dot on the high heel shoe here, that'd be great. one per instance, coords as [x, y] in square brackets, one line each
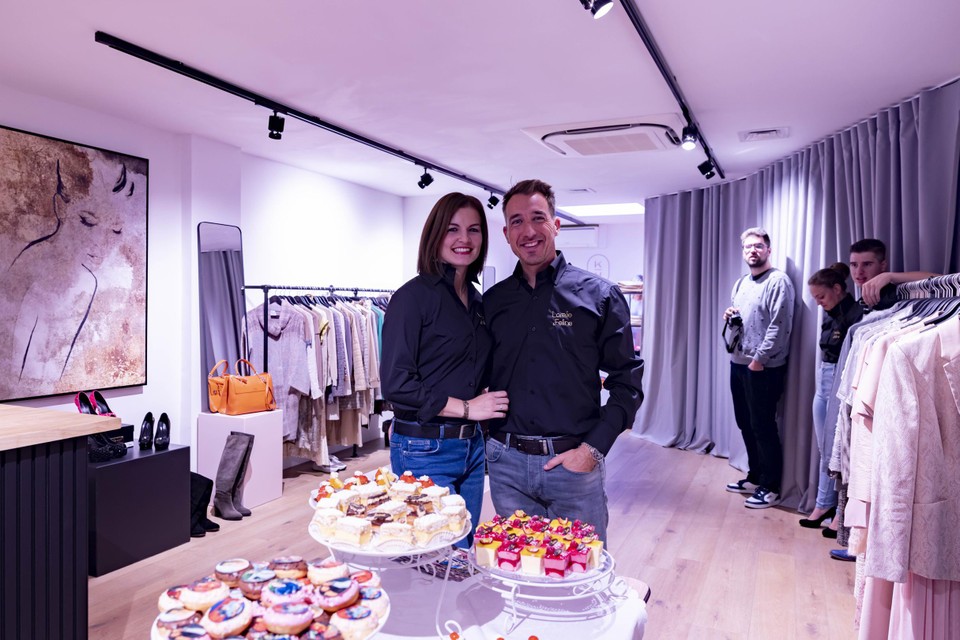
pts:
[83, 404]
[146, 431]
[162, 441]
[100, 405]
[829, 533]
[815, 523]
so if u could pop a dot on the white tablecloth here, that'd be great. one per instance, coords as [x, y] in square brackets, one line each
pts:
[481, 612]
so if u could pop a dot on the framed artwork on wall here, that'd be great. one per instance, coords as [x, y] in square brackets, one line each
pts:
[73, 267]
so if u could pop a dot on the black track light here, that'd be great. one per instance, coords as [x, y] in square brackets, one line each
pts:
[598, 8]
[688, 140]
[275, 125]
[492, 201]
[707, 169]
[425, 180]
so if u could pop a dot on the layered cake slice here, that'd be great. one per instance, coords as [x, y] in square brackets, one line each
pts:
[428, 526]
[353, 530]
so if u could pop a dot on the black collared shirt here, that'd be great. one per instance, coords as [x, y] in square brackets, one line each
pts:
[836, 323]
[433, 347]
[550, 344]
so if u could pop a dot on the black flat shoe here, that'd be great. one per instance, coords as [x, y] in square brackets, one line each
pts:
[816, 522]
[146, 431]
[829, 533]
[100, 405]
[162, 441]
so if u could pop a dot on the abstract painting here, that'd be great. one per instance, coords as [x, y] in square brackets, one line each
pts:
[73, 267]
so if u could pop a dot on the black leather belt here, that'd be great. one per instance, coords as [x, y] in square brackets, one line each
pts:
[435, 430]
[537, 446]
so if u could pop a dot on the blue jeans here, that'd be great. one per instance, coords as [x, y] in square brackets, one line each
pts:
[518, 481]
[456, 464]
[755, 398]
[826, 486]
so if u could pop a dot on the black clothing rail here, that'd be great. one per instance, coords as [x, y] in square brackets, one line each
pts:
[267, 288]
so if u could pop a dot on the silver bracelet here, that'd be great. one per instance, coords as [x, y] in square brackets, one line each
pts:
[594, 452]
[466, 410]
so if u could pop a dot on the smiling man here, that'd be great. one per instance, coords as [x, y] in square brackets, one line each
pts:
[555, 328]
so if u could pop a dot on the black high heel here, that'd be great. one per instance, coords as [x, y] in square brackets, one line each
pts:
[83, 404]
[146, 431]
[829, 533]
[162, 441]
[816, 522]
[100, 405]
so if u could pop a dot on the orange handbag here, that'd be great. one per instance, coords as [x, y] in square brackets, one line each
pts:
[247, 394]
[216, 386]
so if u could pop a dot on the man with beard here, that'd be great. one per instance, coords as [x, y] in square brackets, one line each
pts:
[764, 302]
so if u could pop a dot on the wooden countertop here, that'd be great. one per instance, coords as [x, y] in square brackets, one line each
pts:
[25, 426]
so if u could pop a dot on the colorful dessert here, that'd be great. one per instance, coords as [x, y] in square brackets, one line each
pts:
[336, 594]
[288, 617]
[326, 569]
[289, 567]
[355, 623]
[228, 617]
[203, 594]
[229, 571]
[176, 618]
[366, 578]
[282, 590]
[252, 582]
[170, 599]
[376, 599]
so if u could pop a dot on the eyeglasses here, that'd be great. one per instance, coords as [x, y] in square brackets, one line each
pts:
[759, 246]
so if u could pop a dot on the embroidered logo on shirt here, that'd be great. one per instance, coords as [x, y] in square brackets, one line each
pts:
[561, 318]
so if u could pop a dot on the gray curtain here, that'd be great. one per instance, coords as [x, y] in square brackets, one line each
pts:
[888, 177]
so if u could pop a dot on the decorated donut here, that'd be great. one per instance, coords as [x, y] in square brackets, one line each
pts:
[203, 594]
[321, 631]
[227, 617]
[229, 571]
[288, 617]
[289, 567]
[170, 599]
[252, 582]
[375, 598]
[337, 594]
[366, 578]
[191, 632]
[355, 623]
[282, 590]
[176, 618]
[322, 570]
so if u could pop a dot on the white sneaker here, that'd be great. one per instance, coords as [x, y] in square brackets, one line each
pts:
[742, 486]
[761, 499]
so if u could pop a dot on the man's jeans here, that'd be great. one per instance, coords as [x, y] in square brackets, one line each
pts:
[755, 398]
[518, 481]
[456, 464]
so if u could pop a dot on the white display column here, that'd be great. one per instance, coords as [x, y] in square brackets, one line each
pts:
[263, 480]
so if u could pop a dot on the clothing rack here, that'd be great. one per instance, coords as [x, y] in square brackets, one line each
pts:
[267, 288]
[947, 286]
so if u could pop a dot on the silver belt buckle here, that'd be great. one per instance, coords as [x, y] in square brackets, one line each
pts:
[464, 433]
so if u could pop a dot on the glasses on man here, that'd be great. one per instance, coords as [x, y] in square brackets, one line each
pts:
[759, 246]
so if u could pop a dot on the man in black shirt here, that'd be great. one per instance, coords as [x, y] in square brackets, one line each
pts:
[878, 287]
[555, 327]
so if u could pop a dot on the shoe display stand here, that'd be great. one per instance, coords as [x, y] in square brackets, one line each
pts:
[264, 475]
[139, 506]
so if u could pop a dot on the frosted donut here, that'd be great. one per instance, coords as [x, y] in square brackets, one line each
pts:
[227, 617]
[176, 618]
[288, 617]
[229, 571]
[366, 578]
[170, 599]
[375, 598]
[321, 631]
[326, 569]
[289, 567]
[252, 582]
[355, 623]
[337, 594]
[203, 594]
[191, 632]
[282, 590]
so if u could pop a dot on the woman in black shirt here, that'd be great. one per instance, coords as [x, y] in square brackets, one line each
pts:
[436, 356]
[829, 289]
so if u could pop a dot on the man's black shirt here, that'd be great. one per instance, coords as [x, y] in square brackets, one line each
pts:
[433, 347]
[550, 344]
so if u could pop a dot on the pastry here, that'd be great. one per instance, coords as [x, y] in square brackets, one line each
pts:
[453, 500]
[418, 505]
[347, 497]
[252, 582]
[229, 571]
[203, 594]
[352, 530]
[531, 558]
[176, 618]
[227, 617]
[370, 492]
[377, 519]
[288, 617]
[326, 569]
[556, 561]
[170, 599]
[336, 594]
[457, 516]
[428, 526]
[191, 632]
[328, 502]
[434, 493]
[376, 599]
[282, 590]
[289, 567]
[396, 531]
[355, 623]
[366, 578]
[396, 509]
[325, 519]
[508, 556]
[321, 631]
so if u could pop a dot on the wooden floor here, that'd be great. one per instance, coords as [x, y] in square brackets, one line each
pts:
[716, 569]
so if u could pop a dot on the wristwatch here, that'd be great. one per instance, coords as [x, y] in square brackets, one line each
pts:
[594, 452]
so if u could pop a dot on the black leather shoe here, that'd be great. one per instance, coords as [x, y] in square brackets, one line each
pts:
[146, 431]
[162, 441]
[83, 403]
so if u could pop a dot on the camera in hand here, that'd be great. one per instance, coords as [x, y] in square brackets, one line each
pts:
[735, 320]
[732, 332]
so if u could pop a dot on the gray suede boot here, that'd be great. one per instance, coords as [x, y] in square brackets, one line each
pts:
[234, 451]
[237, 493]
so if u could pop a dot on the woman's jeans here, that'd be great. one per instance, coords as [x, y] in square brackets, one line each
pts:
[826, 486]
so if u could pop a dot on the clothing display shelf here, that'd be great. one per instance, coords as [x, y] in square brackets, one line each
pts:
[947, 286]
[329, 289]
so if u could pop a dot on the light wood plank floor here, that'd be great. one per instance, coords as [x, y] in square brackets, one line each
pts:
[716, 569]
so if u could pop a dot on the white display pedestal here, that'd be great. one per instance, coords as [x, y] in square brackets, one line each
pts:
[264, 478]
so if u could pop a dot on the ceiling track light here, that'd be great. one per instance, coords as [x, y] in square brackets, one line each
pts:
[707, 169]
[688, 139]
[493, 201]
[425, 180]
[598, 8]
[275, 125]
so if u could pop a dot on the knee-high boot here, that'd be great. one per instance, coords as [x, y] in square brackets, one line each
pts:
[204, 507]
[196, 504]
[237, 494]
[234, 451]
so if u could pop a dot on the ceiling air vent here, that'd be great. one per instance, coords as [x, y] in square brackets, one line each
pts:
[585, 139]
[759, 135]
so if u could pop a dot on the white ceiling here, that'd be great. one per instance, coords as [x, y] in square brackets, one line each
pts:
[457, 82]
